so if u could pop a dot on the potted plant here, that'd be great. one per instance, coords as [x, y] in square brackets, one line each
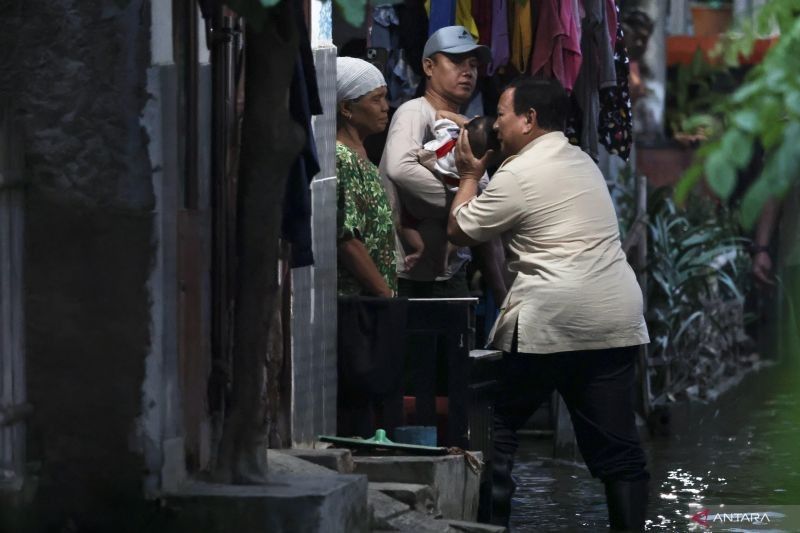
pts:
[692, 91]
[711, 17]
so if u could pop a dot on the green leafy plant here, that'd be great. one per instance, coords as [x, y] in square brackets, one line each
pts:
[764, 110]
[691, 95]
[697, 273]
[687, 261]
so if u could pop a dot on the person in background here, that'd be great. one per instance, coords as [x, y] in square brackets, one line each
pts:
[781, 218]
[365, 232]
[573, 317]
[370, 321]
[450, 62]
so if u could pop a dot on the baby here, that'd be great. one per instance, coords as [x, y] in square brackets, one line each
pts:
[438, 156]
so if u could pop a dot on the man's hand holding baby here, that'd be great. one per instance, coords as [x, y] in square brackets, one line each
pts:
[469, 167]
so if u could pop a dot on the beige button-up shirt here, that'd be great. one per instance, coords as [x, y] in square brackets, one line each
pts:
[574, 288]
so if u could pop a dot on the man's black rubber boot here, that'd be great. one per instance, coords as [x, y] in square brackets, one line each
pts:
[627, 504]
[503, 488]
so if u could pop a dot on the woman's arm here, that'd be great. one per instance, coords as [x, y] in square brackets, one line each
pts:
[357, 261]
[460, 120]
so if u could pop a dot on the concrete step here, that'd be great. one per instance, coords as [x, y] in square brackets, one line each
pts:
[418, 497]
[383, 508]
[454, 483]
[284, 504]
[416, 522]
[283, 462]
[474, 527]
[336, 459]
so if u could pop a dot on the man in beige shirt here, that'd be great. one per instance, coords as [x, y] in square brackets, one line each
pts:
[572, 320]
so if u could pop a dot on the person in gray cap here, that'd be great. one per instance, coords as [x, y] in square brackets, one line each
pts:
[450, 61]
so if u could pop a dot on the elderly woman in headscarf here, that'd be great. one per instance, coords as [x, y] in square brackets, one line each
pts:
[364, 219]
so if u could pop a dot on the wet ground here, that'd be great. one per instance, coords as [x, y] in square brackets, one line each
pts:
[743, 449]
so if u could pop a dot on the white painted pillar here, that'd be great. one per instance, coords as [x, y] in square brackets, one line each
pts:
[314, 380]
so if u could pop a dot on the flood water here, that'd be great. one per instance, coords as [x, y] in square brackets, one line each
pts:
[743, 449]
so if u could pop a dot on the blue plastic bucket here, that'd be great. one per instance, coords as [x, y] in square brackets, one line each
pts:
[420, 435]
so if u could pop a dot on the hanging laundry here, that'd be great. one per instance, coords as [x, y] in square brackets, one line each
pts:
[413, 32]
[464, 18]
[597, 72]
[616, 126]
[482, 14]
[500, 46]
[612, 16]
[574, 126]
[578, 13]
[557, 46]
[304, 102]
[384, 17]
[521, 34]
[442, 13]
[404, 81]
[401, 80]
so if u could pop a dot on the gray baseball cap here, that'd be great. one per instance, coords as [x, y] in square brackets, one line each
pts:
[455, 40]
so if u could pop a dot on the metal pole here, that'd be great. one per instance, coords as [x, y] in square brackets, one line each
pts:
[641, 267]
[222, 42]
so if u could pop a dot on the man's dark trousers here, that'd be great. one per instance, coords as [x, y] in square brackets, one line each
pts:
[597, 387]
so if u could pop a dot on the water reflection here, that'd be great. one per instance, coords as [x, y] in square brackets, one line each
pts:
[741, 450]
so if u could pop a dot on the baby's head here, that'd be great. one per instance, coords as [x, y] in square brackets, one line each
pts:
[482, 137]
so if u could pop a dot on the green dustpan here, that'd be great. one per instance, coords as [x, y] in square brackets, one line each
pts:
[379, 441]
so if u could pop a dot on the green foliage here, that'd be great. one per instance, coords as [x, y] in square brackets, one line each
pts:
[697, 273]
[694, 257]
[693, 92]
[765, 110]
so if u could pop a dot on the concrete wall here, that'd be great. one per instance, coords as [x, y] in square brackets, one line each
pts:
[76, 74]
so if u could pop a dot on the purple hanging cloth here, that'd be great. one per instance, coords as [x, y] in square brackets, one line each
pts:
[500, 47]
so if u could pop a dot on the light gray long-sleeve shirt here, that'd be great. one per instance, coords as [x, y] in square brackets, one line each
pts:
[414, 189]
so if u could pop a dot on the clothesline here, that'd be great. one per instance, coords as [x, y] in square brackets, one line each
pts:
[578, 42]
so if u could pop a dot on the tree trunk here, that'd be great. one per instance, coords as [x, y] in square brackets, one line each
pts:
[271, 141]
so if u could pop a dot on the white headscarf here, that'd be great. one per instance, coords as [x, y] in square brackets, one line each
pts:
[356, 77]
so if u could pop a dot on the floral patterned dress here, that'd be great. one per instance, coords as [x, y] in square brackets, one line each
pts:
[363, 213]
